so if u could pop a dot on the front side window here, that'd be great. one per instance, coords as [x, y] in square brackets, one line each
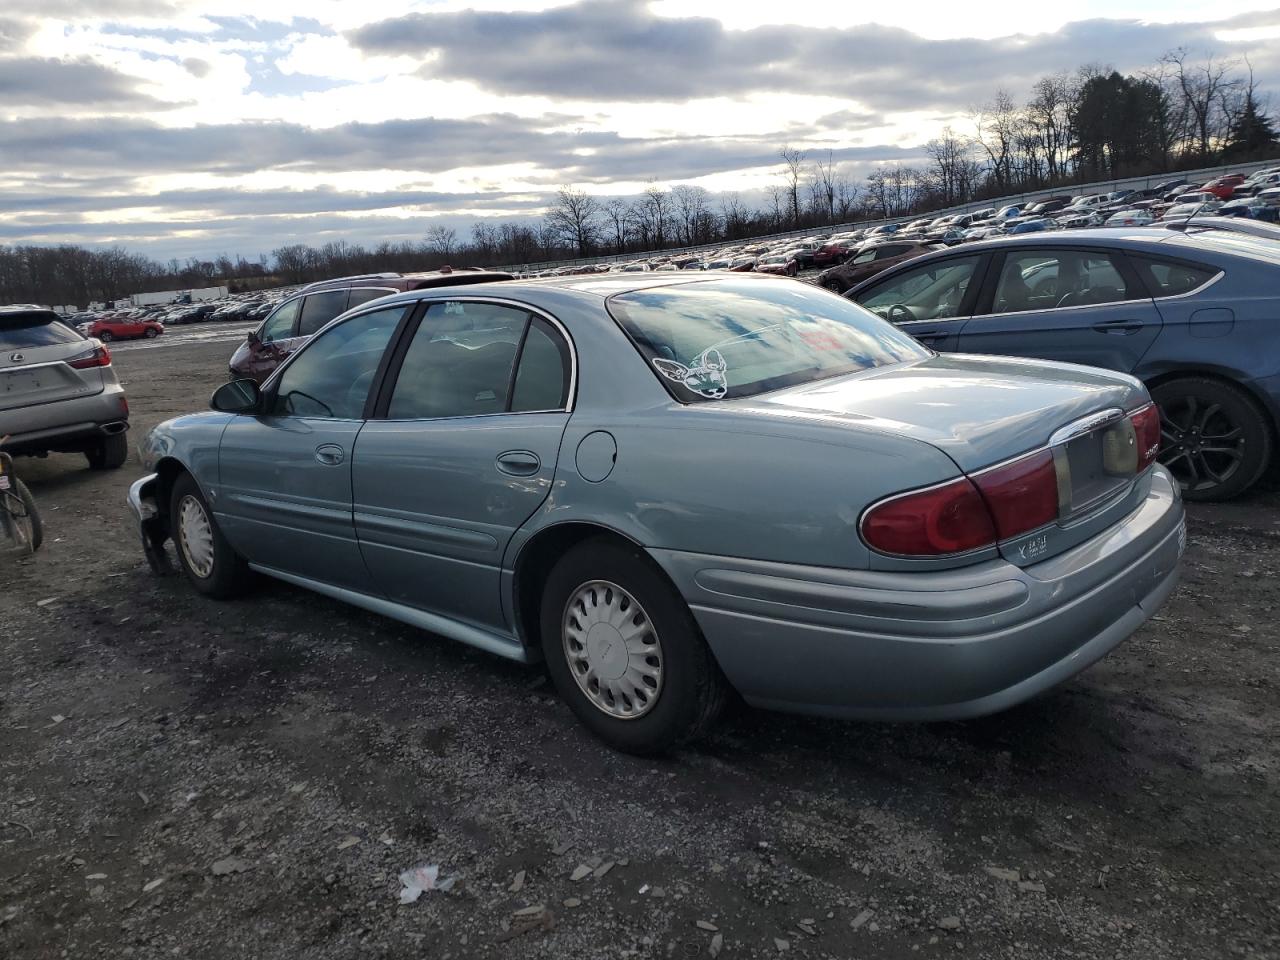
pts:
[361, 295]
[1049, 279]
[931, 292]
[331, 377]
[319, 308]
[279, 325]
[459, 362]
[737, 338]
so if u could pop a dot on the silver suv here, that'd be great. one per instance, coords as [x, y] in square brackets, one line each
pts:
[58, 390]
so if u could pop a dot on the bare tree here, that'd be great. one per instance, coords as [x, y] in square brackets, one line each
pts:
[692, 212]
[442, 239]
[576, 218]
[617, 215]
[997, 128]
[1204, 87]
[793, 170]
[824, 188]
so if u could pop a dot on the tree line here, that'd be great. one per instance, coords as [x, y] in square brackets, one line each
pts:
[1094, 124]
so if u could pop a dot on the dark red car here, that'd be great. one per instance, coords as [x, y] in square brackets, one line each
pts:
[830, 253]
[870, 260]
[123, 328]
[292, 323]
[1224, 187]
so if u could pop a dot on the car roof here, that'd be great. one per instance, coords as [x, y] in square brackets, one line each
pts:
[26, 312]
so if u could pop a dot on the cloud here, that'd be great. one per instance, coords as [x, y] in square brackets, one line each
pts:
[619, 50]
[196, 67]
[39, 81]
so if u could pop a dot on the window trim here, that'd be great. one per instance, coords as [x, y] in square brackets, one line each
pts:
[394, 358]
[1128, 273]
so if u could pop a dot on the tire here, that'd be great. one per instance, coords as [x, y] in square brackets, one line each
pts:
[35, 527]
[835, 286]
[105, 336]
[1195, 408]
[151, 333]
[689, 689]
[109, 453]
[222, 573]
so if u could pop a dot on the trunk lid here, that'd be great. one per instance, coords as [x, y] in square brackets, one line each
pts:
[986, 411]
[980, 411]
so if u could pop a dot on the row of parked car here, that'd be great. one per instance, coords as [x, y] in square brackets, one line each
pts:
[128, 323]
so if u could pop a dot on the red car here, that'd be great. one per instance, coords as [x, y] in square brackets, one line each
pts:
[779, 264]
[831, 253]
[1224, 187]
[123, 328]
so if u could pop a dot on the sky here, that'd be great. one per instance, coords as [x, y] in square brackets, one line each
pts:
[183, 128]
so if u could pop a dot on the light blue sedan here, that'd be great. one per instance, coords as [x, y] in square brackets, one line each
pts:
[671, 486]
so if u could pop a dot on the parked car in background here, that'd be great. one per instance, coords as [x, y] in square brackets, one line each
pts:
[870, 260]
[470, 459]
[779, 264]
[1034, 225]
[831, 252]
[123, 328]
[1181, 211]
[1223, 187]
[1188, 312]
[291, 323]
[58, 391]
[1130, 218]
[1267, 230]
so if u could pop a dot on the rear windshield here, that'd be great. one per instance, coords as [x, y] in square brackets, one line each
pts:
[23, 331]
[738, 338]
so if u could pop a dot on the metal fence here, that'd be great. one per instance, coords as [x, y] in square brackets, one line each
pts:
[1017, 199]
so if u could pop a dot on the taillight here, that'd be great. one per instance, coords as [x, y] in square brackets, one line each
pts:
[946, 519]
[1021, 495]
[1146, 427]
[99, 357]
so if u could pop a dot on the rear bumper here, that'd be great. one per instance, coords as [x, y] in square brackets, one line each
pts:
[66, 425]
[931, 646]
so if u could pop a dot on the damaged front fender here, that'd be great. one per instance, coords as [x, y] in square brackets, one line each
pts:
[153, 525]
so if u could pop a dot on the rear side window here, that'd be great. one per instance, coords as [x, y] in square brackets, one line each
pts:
[361, 295]
[1169, 278]
[459, 362]
[319, 308]
[35, 330]
[542, 375]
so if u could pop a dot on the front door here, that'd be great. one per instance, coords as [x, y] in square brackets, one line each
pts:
[284, 496]
[1076, 305]
[461, 452]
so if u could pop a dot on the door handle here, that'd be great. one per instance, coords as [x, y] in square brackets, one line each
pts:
[330, 454]
[519, 463]
[1120, 327]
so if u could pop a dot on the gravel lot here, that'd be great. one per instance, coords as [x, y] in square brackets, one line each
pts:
[185, 778]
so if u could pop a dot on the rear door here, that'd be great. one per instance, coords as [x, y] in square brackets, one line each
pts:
[36, 352]
[461, 452]
[1074, 304]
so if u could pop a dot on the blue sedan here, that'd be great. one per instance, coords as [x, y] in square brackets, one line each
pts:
[671, 486]
[1193, 313]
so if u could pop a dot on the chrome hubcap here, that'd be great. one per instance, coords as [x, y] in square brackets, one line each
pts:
[195, 536]
[612, 650]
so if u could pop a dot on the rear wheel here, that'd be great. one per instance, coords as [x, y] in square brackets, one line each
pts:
[1214, 438]
[105, 336]
[625, 652]
[109, 453]
[210, 564]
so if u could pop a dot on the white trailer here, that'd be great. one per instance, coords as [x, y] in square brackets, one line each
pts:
[174, 296]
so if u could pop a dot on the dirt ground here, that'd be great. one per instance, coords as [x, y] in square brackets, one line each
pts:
[184, 778]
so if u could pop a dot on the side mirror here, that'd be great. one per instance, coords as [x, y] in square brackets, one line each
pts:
[252, 338]
[238, 396]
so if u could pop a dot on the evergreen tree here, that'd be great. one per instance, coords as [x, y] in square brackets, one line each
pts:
[1252, 134]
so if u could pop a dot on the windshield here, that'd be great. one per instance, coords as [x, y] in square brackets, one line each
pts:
[737, 338]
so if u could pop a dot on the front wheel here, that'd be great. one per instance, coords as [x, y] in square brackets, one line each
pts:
[1214, 438]
[207, 559]
[105, 336]
[151, 333]
[835, 286]
[625, 652]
